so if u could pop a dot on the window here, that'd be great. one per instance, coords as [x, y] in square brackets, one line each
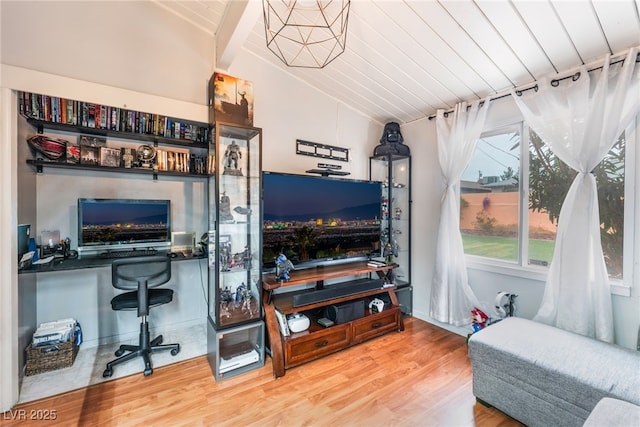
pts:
[509, 187]
[549, 182]
[489, 197]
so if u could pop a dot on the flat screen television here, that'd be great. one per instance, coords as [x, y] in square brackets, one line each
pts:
[314, 220]
[113, 224]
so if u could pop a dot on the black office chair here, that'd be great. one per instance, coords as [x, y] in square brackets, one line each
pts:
[138, 275]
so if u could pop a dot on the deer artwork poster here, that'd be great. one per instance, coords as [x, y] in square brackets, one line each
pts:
[232, 100]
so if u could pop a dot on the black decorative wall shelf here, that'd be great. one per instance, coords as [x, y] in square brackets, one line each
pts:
[308, 148]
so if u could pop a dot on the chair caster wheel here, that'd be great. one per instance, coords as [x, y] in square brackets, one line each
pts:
[175, 351]
[148, 372]
[119, 352]
[107, 373]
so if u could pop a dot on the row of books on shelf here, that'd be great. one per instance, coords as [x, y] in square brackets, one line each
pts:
[184, 162]
[91, 115]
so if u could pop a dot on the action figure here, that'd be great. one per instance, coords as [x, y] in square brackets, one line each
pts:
[385, 208]
[283, 266]
[246, 258]
[225, 209]
[225, 256]
[225, 299]
[244, 297]
[398, 213]
[389, 251]
[478, 319]
[233, 155]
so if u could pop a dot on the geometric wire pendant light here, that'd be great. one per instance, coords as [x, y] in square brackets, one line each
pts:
[306, 33]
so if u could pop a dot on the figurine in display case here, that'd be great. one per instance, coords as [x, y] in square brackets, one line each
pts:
[244, 298]
[246, 258]
[225, 254]
[237, 303]
[225, 209]
[225, 299]
[398, 213]
[232, 157]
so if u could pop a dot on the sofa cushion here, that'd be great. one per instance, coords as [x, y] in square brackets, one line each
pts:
[614, 412]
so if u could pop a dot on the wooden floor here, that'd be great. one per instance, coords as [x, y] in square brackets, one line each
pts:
[419, 377]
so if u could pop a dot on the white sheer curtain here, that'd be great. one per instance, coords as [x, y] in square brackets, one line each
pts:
[451, 297]
[580, 121]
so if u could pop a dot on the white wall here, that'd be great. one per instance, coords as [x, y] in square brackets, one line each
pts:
[287, 109]
[426, 181]
[134, 45]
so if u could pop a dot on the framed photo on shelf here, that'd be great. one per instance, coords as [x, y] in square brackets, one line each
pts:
[110, 157]
[73, 153]
[90, 146]
[89, 155]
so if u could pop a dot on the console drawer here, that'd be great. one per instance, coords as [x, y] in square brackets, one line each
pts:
[375, 324]
[316, 344]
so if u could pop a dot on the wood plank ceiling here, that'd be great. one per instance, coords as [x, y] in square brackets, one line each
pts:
[407, 58]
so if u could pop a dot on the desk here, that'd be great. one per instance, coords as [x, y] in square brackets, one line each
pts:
[82, 289]
[62, 264]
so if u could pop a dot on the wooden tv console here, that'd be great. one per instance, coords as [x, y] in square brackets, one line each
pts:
[318, 341]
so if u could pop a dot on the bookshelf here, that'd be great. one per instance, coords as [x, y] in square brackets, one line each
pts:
[175, 147]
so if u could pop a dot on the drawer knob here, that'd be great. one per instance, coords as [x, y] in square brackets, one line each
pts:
[376, 325]
[321, 344]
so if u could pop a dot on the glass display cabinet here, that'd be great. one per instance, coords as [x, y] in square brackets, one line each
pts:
[235, 334]
[394, 171]
[235, 238]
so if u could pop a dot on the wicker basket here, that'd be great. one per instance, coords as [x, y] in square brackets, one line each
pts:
[50, 357]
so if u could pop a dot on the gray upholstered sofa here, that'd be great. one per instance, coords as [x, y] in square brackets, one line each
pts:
[545, 376]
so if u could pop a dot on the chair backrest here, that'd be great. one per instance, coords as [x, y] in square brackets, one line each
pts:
[129, 273]
[140, 274]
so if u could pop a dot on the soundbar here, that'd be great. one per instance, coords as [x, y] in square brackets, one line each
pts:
[337, 291]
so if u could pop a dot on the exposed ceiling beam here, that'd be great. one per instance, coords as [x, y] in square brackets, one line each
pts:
[238, 21]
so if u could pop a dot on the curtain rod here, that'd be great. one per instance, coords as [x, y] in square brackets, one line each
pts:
[554, 83]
